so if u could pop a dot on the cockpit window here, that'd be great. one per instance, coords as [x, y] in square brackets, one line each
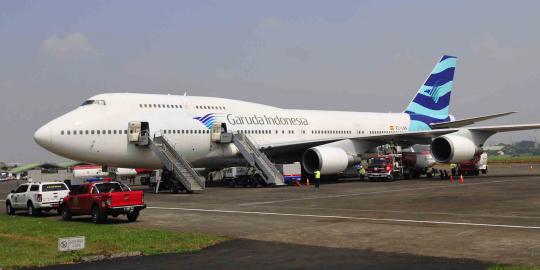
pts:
[91, 101]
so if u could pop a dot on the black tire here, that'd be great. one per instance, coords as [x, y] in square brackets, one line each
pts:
[132, 217]
[254, 183]
[9, 209]
[98, 217]
[64, 212]
[32, 211]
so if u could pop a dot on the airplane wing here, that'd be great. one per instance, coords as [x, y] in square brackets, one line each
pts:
[413, 137]
[467, 121]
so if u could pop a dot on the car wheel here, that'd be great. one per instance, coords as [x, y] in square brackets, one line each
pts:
[97, 215]
[9, 209]
[132, 217]
[32, 211]
[65, 213]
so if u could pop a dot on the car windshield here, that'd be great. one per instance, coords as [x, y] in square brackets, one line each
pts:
[110, 187]
[53, 187]
[376, 162]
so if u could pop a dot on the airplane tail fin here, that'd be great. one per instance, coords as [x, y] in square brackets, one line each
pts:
[431, 103]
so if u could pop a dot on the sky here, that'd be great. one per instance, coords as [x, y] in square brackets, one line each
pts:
[335, 55]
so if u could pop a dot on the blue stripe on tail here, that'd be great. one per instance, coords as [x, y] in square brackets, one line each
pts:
[431, 103]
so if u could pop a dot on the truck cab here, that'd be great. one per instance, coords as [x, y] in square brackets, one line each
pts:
[386, 167]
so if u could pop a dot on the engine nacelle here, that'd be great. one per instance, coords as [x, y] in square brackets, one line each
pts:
[326, 159]
[452, 148]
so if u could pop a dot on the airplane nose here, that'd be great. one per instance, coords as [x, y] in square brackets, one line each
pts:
[43, 136]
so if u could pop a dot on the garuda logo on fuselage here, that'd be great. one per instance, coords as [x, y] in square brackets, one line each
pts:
[209, 119]
[434, 92]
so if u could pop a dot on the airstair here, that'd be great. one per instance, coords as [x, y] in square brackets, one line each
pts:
[184, 174]
[258, 160]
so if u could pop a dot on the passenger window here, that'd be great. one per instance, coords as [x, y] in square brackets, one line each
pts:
[62, 132]
[109, 131]
[92, 132]
[68, 132]
[114, 131]
[34, 188]
[21, 189]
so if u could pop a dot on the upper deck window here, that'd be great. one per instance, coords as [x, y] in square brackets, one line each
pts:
[91, 101]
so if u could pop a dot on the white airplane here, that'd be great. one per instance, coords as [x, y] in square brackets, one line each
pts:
[330, 141]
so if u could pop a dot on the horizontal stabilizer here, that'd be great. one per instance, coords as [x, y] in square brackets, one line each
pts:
[467, 121]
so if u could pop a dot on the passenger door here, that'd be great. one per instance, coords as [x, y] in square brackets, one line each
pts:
[18, 197]
[85, 200]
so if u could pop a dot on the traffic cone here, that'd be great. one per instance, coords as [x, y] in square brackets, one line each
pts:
[461, 181]
[307, 182]
[451, 179]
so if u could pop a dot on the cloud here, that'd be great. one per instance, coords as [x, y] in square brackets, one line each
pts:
[72, 46]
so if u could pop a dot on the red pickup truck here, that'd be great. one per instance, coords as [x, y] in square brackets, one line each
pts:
[101, 199]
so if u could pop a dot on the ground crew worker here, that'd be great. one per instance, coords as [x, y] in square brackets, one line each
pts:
[453, 167]
[362, 172]
[393, 147]
[317, 178]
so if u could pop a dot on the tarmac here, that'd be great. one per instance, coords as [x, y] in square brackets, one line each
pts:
[411, 224]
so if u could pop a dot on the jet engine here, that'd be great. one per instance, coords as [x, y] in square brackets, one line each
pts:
[327, 159]
[452, 148]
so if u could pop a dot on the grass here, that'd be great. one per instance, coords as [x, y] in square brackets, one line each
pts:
[30, 242]
[501, 267]
[518, 159]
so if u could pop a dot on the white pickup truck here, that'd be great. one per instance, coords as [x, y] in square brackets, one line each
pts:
[35, 197]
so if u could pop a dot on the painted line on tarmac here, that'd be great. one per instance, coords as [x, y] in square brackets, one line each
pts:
[400, 212]
[349, 218]
[377, 192]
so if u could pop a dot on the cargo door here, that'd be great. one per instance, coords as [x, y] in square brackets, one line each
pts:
[53, 192]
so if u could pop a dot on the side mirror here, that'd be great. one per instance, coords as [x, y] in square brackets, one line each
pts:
[70, 193]
[12, 191]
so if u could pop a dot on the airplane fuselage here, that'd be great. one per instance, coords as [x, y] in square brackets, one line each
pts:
[97, 132]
